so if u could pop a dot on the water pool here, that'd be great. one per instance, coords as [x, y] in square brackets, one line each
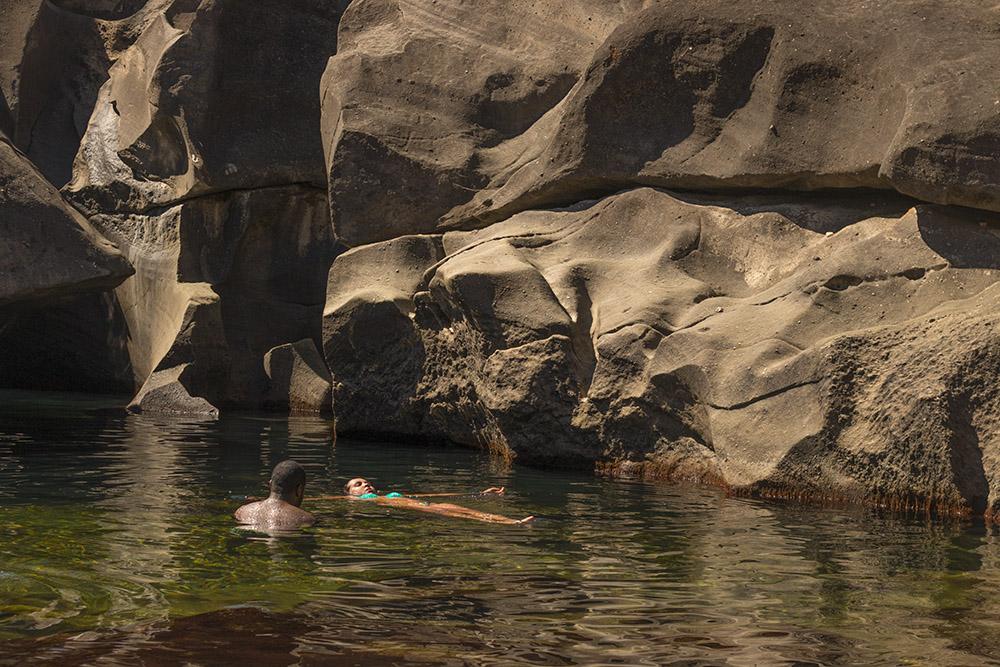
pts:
[117, 547]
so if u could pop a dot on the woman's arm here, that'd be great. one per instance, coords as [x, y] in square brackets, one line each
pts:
[496, 490]
[447, 509]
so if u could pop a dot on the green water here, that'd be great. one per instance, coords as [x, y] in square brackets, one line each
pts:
[114, 530]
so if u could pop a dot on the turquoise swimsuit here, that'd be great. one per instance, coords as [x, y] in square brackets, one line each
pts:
[369, 496]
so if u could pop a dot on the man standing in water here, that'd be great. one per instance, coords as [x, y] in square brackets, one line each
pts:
[280, 511]
[360, 488]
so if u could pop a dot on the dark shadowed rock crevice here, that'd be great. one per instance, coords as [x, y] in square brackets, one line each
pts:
[197, 152]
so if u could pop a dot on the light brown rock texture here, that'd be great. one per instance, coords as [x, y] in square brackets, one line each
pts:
[195, 148]
[757, 278]
[753, 245]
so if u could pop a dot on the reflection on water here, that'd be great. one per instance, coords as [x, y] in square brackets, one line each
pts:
[115, 530]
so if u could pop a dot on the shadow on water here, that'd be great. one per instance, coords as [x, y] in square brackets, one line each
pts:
[117, 546]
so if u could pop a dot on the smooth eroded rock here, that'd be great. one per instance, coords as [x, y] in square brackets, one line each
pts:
[299, 381]
[47, 250]
[761, 343]
[470, 114]
[212, 96]
[221, 280]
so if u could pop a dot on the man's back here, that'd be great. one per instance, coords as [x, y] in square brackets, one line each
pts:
[274, 514]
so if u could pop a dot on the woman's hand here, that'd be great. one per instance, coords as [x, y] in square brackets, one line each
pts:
[498, 490]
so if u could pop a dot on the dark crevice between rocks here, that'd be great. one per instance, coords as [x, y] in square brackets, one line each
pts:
[161, 208]
[841, 282]
[576, 190]
[762, 397]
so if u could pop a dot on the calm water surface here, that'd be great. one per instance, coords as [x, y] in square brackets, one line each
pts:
[117, 547]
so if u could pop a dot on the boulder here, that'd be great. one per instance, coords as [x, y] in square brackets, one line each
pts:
[465, 117]
[715, 96]
[173, 120]
[417, 97]
[165, 393]
[766, 344]
[299, 381]
[47, 250]
[371, 290]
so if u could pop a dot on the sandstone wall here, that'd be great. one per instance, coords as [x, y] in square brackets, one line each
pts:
[746, 244]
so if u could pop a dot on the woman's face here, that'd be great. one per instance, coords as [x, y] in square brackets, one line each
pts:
[359, 486]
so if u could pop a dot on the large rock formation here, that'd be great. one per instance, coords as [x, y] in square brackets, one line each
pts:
[220, 280]
[703, 94]
[837, 344]
[174, 120]
[697, 240]
[47, 250]
[419, 99]
[198, 153]
[49, 254]
[842, 345]
[54, 58]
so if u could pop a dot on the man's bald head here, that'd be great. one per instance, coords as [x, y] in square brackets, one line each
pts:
[288, 482]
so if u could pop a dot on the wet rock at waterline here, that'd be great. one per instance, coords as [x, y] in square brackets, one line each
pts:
[831, 345]
[164, 393]
[298, 379]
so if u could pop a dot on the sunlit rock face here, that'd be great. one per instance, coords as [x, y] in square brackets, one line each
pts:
[693, 240]
[467, 115]
[841, 345]
[753, 245]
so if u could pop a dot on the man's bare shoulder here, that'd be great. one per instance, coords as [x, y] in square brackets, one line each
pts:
[274, 514]
[246, 513]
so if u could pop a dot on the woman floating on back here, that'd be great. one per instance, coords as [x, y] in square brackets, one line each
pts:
[360, 488]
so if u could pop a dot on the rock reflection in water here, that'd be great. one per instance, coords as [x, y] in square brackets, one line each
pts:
[117, 544]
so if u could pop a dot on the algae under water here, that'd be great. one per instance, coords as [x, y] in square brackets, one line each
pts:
[117, 546]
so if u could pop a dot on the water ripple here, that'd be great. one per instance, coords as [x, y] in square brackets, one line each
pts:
[114, 529]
